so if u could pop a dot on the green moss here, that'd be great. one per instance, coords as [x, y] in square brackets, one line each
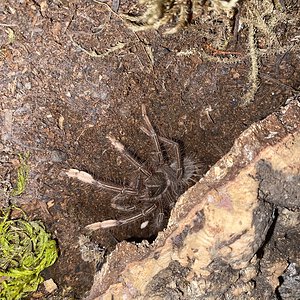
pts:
[22, 175]
[26, 249]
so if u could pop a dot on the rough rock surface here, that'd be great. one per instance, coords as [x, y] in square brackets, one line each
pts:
[220, 232]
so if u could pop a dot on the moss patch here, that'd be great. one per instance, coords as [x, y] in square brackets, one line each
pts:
[22, 175]
[26, 249]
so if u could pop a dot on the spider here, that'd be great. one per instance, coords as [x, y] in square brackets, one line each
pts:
[158, 184]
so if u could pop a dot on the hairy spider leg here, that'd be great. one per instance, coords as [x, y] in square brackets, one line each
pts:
[171, 197]
[115, 203]
[122, 197]
[142, 214]
[121, 149]
[179, 165]
[88, 178]
[151, 132]
[160, 216]
[116, 188]
[113, 223]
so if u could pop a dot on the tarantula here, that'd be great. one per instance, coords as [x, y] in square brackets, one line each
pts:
[158, 183]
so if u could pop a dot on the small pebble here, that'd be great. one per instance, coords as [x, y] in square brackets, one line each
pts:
[58, 156]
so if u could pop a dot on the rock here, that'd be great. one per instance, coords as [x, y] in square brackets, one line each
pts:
[219, 226]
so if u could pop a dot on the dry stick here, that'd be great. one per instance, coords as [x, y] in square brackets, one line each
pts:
[221, 52]
[253, 75]
[113, 12]
[94, 53]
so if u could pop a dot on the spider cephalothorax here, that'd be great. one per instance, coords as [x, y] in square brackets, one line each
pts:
[157, 185]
